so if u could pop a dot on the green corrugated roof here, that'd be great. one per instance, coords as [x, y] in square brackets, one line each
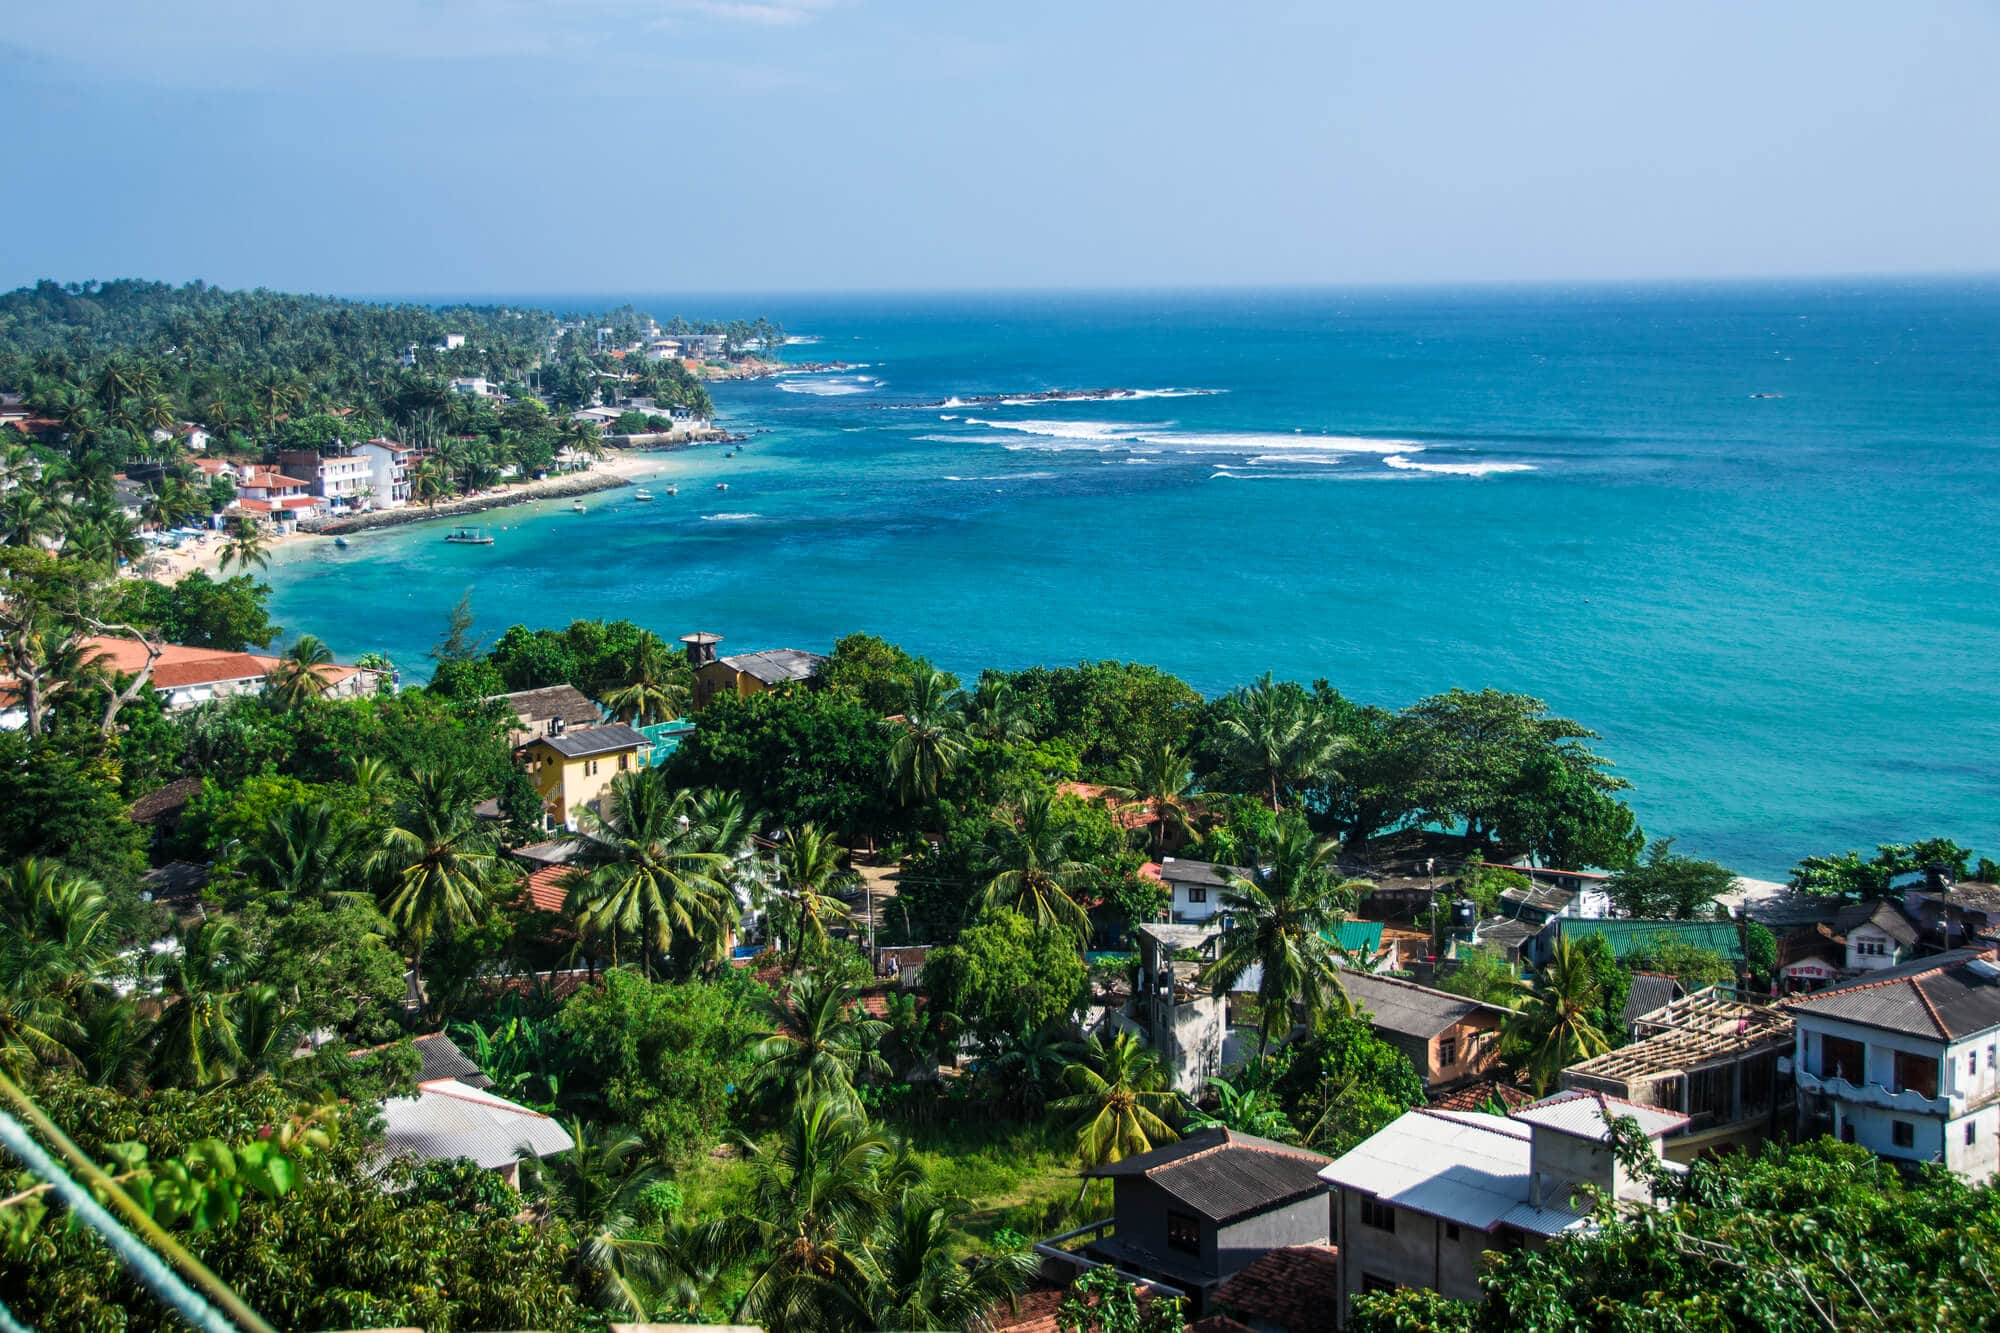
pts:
[1633, 938]
[1362, 937]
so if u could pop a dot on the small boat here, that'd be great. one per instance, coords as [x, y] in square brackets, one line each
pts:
[469, 537]
[673, 490]
[576, 507]
[721, 485]
[340, 542]
[642, 494]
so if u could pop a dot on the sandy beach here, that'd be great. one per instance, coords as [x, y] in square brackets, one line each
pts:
[618, 468]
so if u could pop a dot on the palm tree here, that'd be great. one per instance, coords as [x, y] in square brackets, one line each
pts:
[274, 393]
[912, 1276]
[816, 1197]
[650, 691]
[1032, 871]
[1556, 1028]
[245, 547]
[268, 1030]
[820, 1041]
[440, 860]
[372, 778]
[1282, 916]
[1121, 1091]
[642, 868]
[299, 678]
[1034, 1062]
[197, 1042]
[994, 713]
[600, 1187]
[1159, 783]
[1274, 732]
[429, 482]
[55, 940]
[931, 739]
[808, 862]
[306, 851]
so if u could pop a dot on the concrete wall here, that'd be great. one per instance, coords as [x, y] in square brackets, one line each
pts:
[1191, 1040]
[1420, 1253]
[1477, 1040]
[1309, 1221]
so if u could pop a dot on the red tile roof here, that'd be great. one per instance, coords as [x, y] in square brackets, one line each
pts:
[1296, 1287]
[1477, 1096]
[544, 889]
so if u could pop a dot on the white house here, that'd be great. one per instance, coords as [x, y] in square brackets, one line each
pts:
[1420, 1202]
[453, 341]
[1902, 1061]
[1196, 887]
[478, 386]
[1878, 936]
[388, 471]
[345, 481]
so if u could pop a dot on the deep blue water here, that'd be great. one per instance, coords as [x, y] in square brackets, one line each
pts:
[1780, 611]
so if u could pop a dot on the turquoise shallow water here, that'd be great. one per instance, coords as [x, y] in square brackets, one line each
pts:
[1780, 611]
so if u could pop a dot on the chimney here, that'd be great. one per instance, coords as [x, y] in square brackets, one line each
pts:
[700, 648]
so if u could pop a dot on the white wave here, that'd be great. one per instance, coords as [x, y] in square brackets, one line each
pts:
[829, 388]
[729, 518]
[1258, 441]
[801, 339]
[1069, 430]
[1288, 460]
[946, 416]
[1108, 396]
[1004, 476]
[1064, 448]
[1011, 441]
[1403, 464]
[953, 401]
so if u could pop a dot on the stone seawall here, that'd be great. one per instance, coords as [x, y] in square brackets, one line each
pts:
[555, 488]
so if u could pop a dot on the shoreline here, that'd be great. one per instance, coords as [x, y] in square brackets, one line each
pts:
[620, 467]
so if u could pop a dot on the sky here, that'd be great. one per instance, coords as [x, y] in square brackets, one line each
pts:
[618, 146]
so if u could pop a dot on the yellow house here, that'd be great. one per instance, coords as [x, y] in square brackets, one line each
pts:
[744, 674]
[571, 768]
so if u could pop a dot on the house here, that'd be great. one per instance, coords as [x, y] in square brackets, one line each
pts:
[188, 677]
[187, 433]
[1185, 1022]
[746, 673]
[1549, 894]
[1133, 816]
[1194, 1213]
[1449, 1038]
[1877, 936]
[1420, 1202]
[454, 1116]
[1903, 1061]
[273, 497]
[1292, 1289]
[1948, 913]
[1634, 938]
[1710, 1057]
[1196, 887]
[476, 386]
[548, 711]
[1522, 943]
[572, 768]
[1648, 991]
[453, 341]
[345, 481]
[388, 471]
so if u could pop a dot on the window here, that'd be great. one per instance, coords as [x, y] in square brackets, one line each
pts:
[1183, 1233]
[1451, 1231]
[1840, 1057]
[1916, 1073]
[1971, 1133]
[1370, 1283]
[622, 764]
[1447, 1051]
[1197, 895]
[1847, 1132]
[1375, 1213]
[1902, 1133]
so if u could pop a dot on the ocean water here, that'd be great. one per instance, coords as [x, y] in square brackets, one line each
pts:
[1748, 533]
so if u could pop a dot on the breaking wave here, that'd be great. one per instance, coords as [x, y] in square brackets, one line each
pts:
[1403, 464]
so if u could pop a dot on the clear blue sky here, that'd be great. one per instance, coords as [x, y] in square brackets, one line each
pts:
[649, 145]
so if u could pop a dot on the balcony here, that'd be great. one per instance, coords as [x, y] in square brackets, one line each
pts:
[1874, 1094]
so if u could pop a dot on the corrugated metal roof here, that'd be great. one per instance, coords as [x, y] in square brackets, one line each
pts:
[1634, 938]
[1175, 870]
[1588, 1115]
[1223, 1174]
[1950, 995]
[1463, 1166]
[586, 741]
[1362, 937]
[1405, 1007]
[448, 1120]
[776, 665]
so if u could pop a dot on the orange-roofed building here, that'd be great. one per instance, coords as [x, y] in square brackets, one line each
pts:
[187, 677]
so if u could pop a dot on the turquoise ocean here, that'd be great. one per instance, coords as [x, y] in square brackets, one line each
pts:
[1747, 532]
